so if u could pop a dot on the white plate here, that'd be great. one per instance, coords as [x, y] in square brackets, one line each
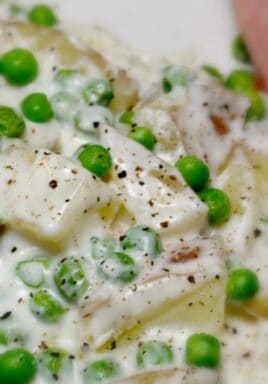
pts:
[201, 29]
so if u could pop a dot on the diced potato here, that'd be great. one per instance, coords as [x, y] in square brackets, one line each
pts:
[169, 146]
[257, 306]
[186, 376]
[212, 117]
[152, 191]
[189, 294]
[238, 180]
[45, 194]
[52, 48]
[125, 93]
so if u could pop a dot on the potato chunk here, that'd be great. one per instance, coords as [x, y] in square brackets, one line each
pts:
[45, 194]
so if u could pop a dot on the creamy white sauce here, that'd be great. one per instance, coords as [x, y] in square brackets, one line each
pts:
[163, 303]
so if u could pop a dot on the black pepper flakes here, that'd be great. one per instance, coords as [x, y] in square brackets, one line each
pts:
[122, 174]
[6, 315]
[164, 224]
[257, 233]
[113, 345]
[191, 279]
[53, 184]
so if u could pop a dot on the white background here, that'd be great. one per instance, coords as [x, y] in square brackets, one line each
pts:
[201, 28]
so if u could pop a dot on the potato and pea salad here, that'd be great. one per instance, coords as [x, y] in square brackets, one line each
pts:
[134, 215]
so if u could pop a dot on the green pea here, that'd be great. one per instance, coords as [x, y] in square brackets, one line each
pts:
[15, 10]
[45, 307]
[32, 271]
[101, 370]
[64, 106]
[176, 75]
[240, 50]
[100, 248]
[37, 108]
[88, 119]
[142, 238]
[70, 279]
[19, 66]
[11, 124]
[95, 159]
[69, 79]
[242, 284]
[4, 339]
[119, 266]
[64, 75]
[143, 136]
[43, 15]
[52, 362]
[127, 118]
[17, 366]
[194, 171]
[257, 109]
[219, 205]
[11, 335]
[152, 353]
[202, 350]
[98, 91]
[212, 71]
[241, 80]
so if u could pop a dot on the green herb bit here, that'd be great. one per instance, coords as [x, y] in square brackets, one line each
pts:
[240, 50]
